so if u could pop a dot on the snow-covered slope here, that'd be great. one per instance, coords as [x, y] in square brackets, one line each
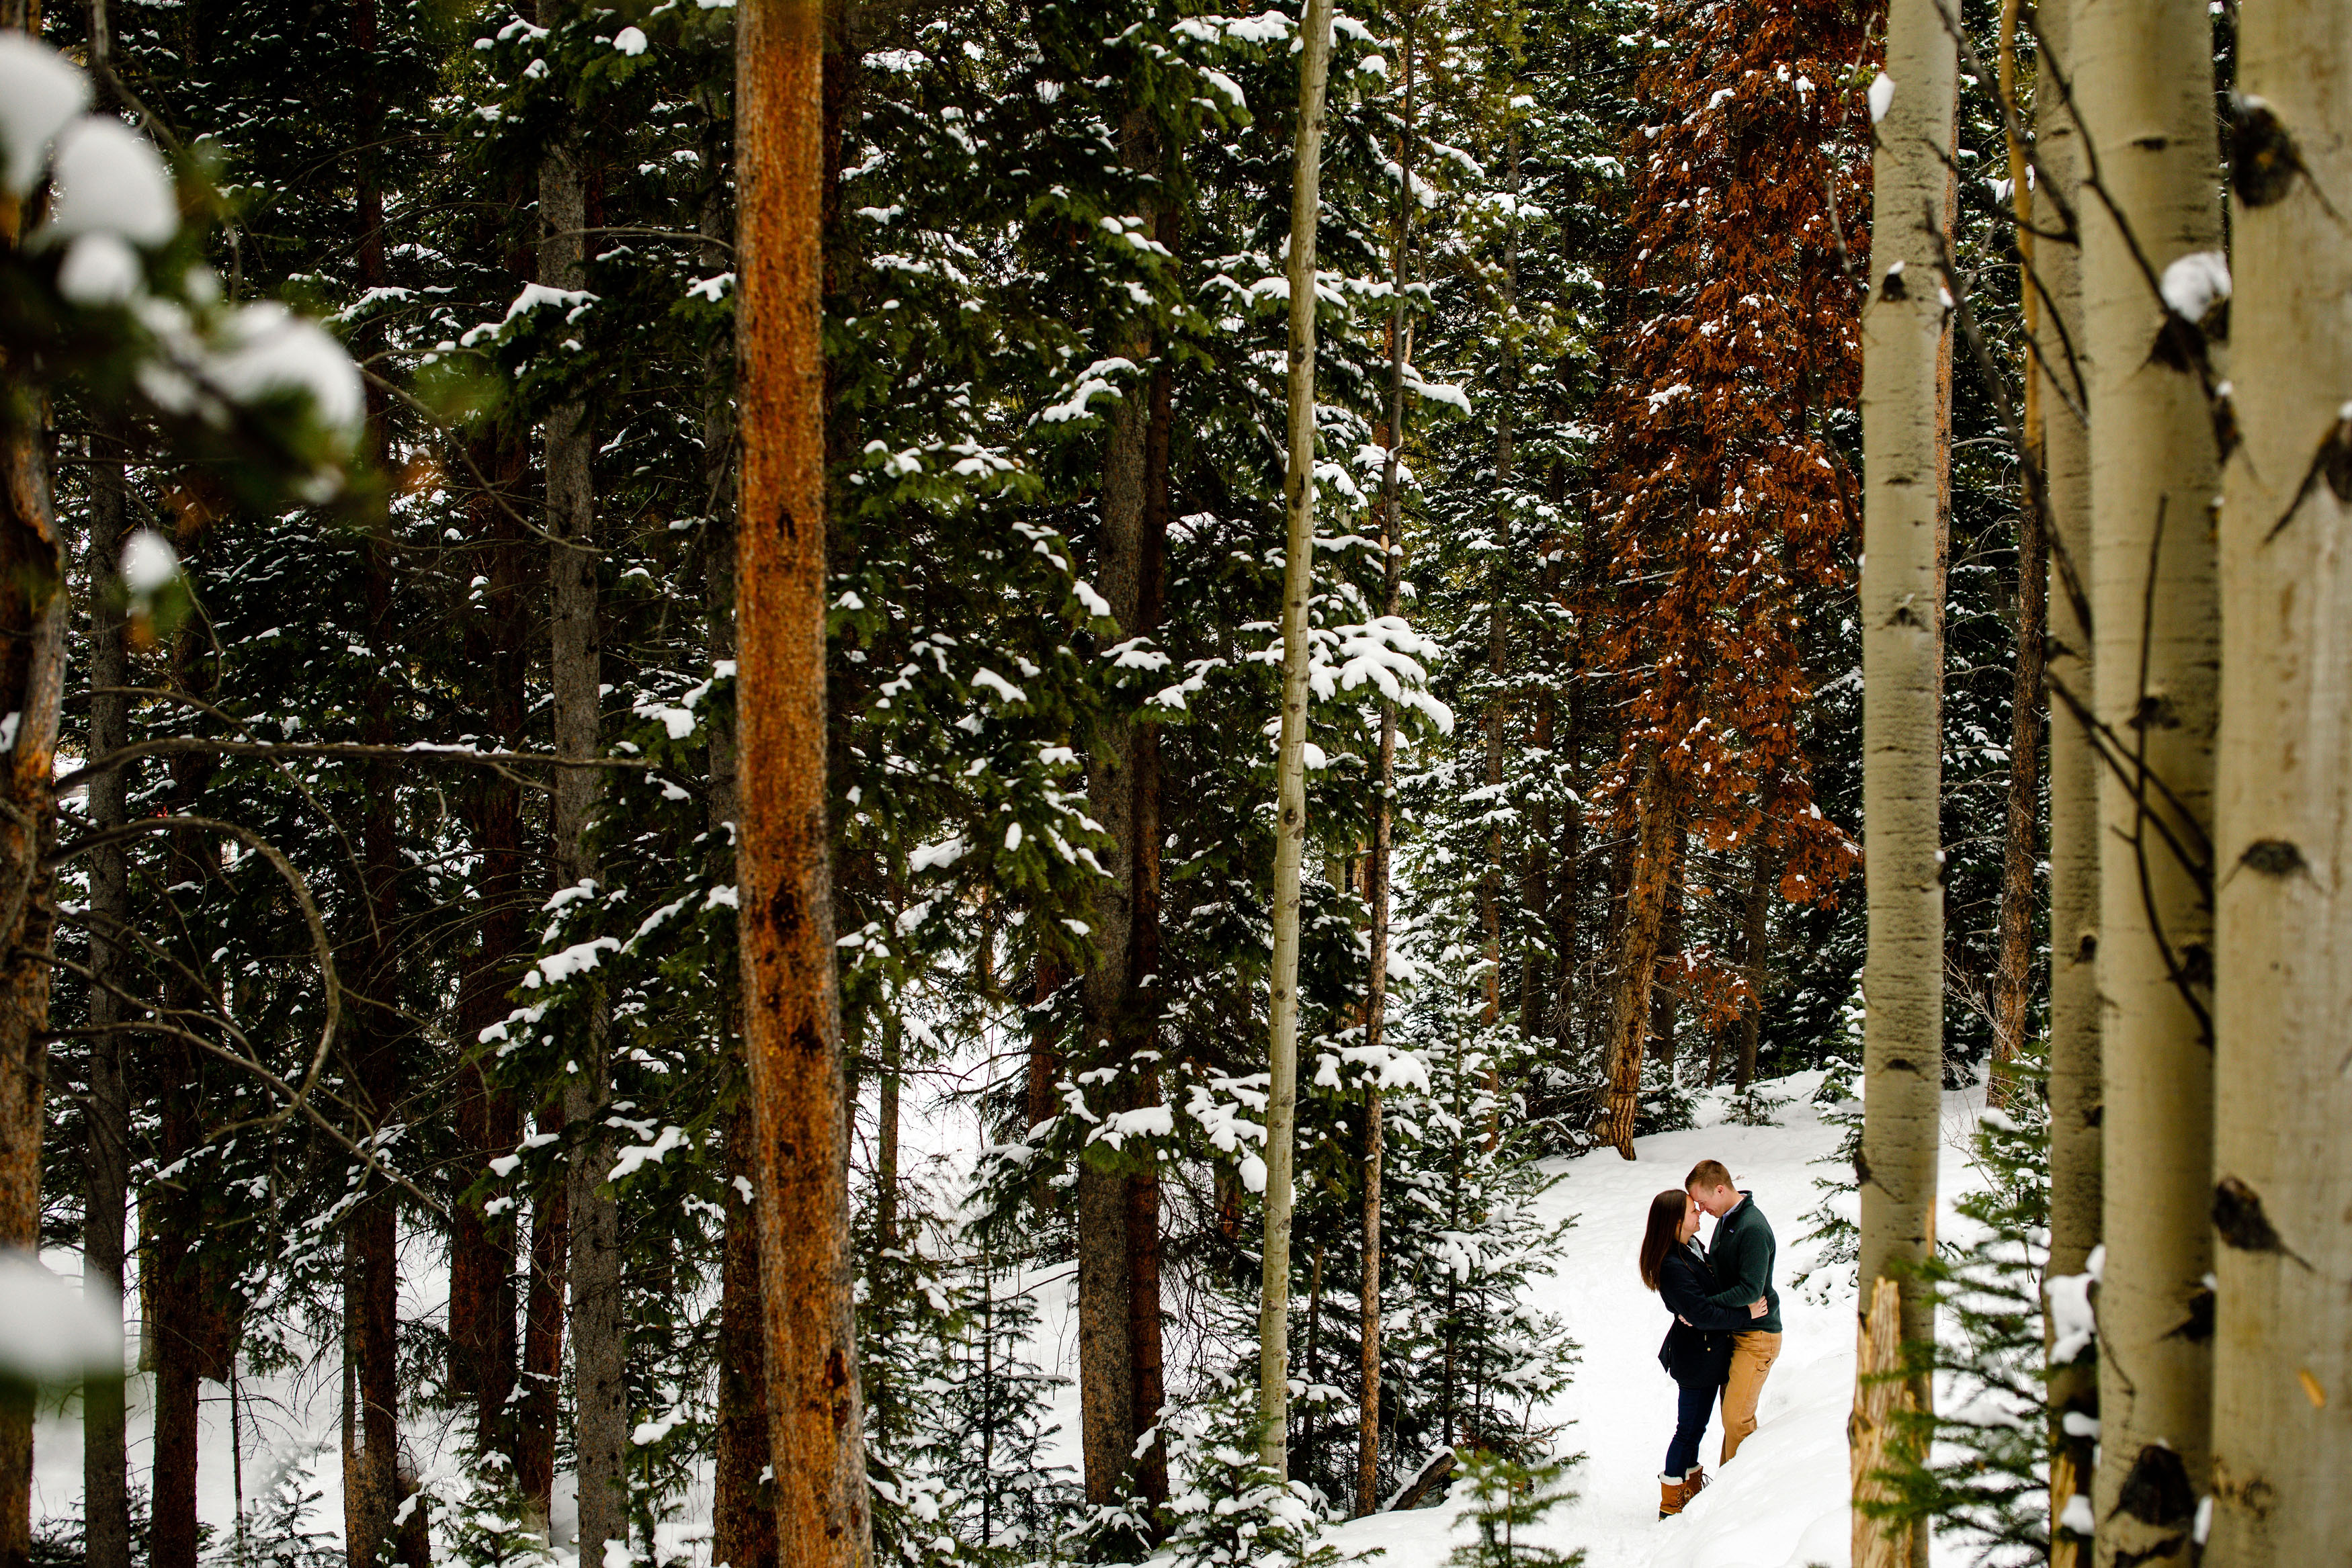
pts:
[1782, 1502]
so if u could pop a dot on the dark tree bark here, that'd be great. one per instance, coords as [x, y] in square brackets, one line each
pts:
[373, 1029]
[2021, 837]
[106, 1507]
[34, 608]
[1665, 996]
[538, 1410]
[1755, 955]
[599, 1355]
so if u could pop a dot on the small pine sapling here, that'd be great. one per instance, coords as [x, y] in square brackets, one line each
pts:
[1978, 1467]
[1228, 1510]
[1508, 1495]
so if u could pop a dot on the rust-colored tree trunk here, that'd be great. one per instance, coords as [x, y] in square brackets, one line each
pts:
[1659, 826]
[2021, 840]
[791, 1013]
[34, 608]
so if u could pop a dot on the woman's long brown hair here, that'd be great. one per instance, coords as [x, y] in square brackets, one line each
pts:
[1666, 1211]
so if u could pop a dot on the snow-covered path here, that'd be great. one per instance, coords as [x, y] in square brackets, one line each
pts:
[1782, 1502]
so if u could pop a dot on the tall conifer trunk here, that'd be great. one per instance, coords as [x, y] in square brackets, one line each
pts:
[540, 1405]
[2074, 1089]
[1904, 347]
[1660, 809]
[1376, 867]
[370, 1237]
[106, 1508]
[2013, 991]
[2143, 82]
[2283, 1197]
[1290, 762]
[598, 1346]
[482, 1251]
[33, 606]
[744, 1516]
[1110, 1005]
[793, 1034]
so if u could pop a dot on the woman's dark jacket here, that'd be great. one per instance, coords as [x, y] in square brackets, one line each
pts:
[1698, 1347]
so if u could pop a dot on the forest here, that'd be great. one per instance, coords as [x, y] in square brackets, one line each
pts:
[806, 783]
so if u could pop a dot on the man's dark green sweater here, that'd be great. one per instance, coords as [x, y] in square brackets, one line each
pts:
[1741, 1255]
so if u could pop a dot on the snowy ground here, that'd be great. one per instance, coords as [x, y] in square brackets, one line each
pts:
[1781, 1504]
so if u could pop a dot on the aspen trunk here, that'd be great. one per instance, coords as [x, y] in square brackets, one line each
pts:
[793, 1034]
[1904, 338]
[106, 1508]
[1660, 809]
[1376, 867]
[1290, 765]
[2283, 1201]
[2144, 82]
[2074, 1085]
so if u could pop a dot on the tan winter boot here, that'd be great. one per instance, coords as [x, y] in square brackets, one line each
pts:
[1694, 1483]
[1673, 1492]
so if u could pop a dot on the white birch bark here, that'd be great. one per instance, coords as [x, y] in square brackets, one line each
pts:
[1290, 765]
[2062, 365]
[1904, 328]
[2283, 1205]
[2143, 81]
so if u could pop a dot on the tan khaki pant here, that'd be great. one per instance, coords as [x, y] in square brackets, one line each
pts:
[1753, 1356]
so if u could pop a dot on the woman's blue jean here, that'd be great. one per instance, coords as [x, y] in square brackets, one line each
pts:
[1690, 1412]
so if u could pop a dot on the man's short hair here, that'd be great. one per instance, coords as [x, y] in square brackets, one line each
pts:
[1706, 1175]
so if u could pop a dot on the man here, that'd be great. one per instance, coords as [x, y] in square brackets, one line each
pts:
[1741, 1253]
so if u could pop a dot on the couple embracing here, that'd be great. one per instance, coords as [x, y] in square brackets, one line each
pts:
[1726, 1328]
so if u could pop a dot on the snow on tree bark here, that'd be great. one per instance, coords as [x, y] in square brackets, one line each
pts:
[1905, 334]
[791, 1012]
[2283, 1197]
[1290, 761]
[2143, 84]
[2060, 360]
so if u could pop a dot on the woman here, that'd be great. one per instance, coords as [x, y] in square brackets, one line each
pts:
[1697, 1351]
